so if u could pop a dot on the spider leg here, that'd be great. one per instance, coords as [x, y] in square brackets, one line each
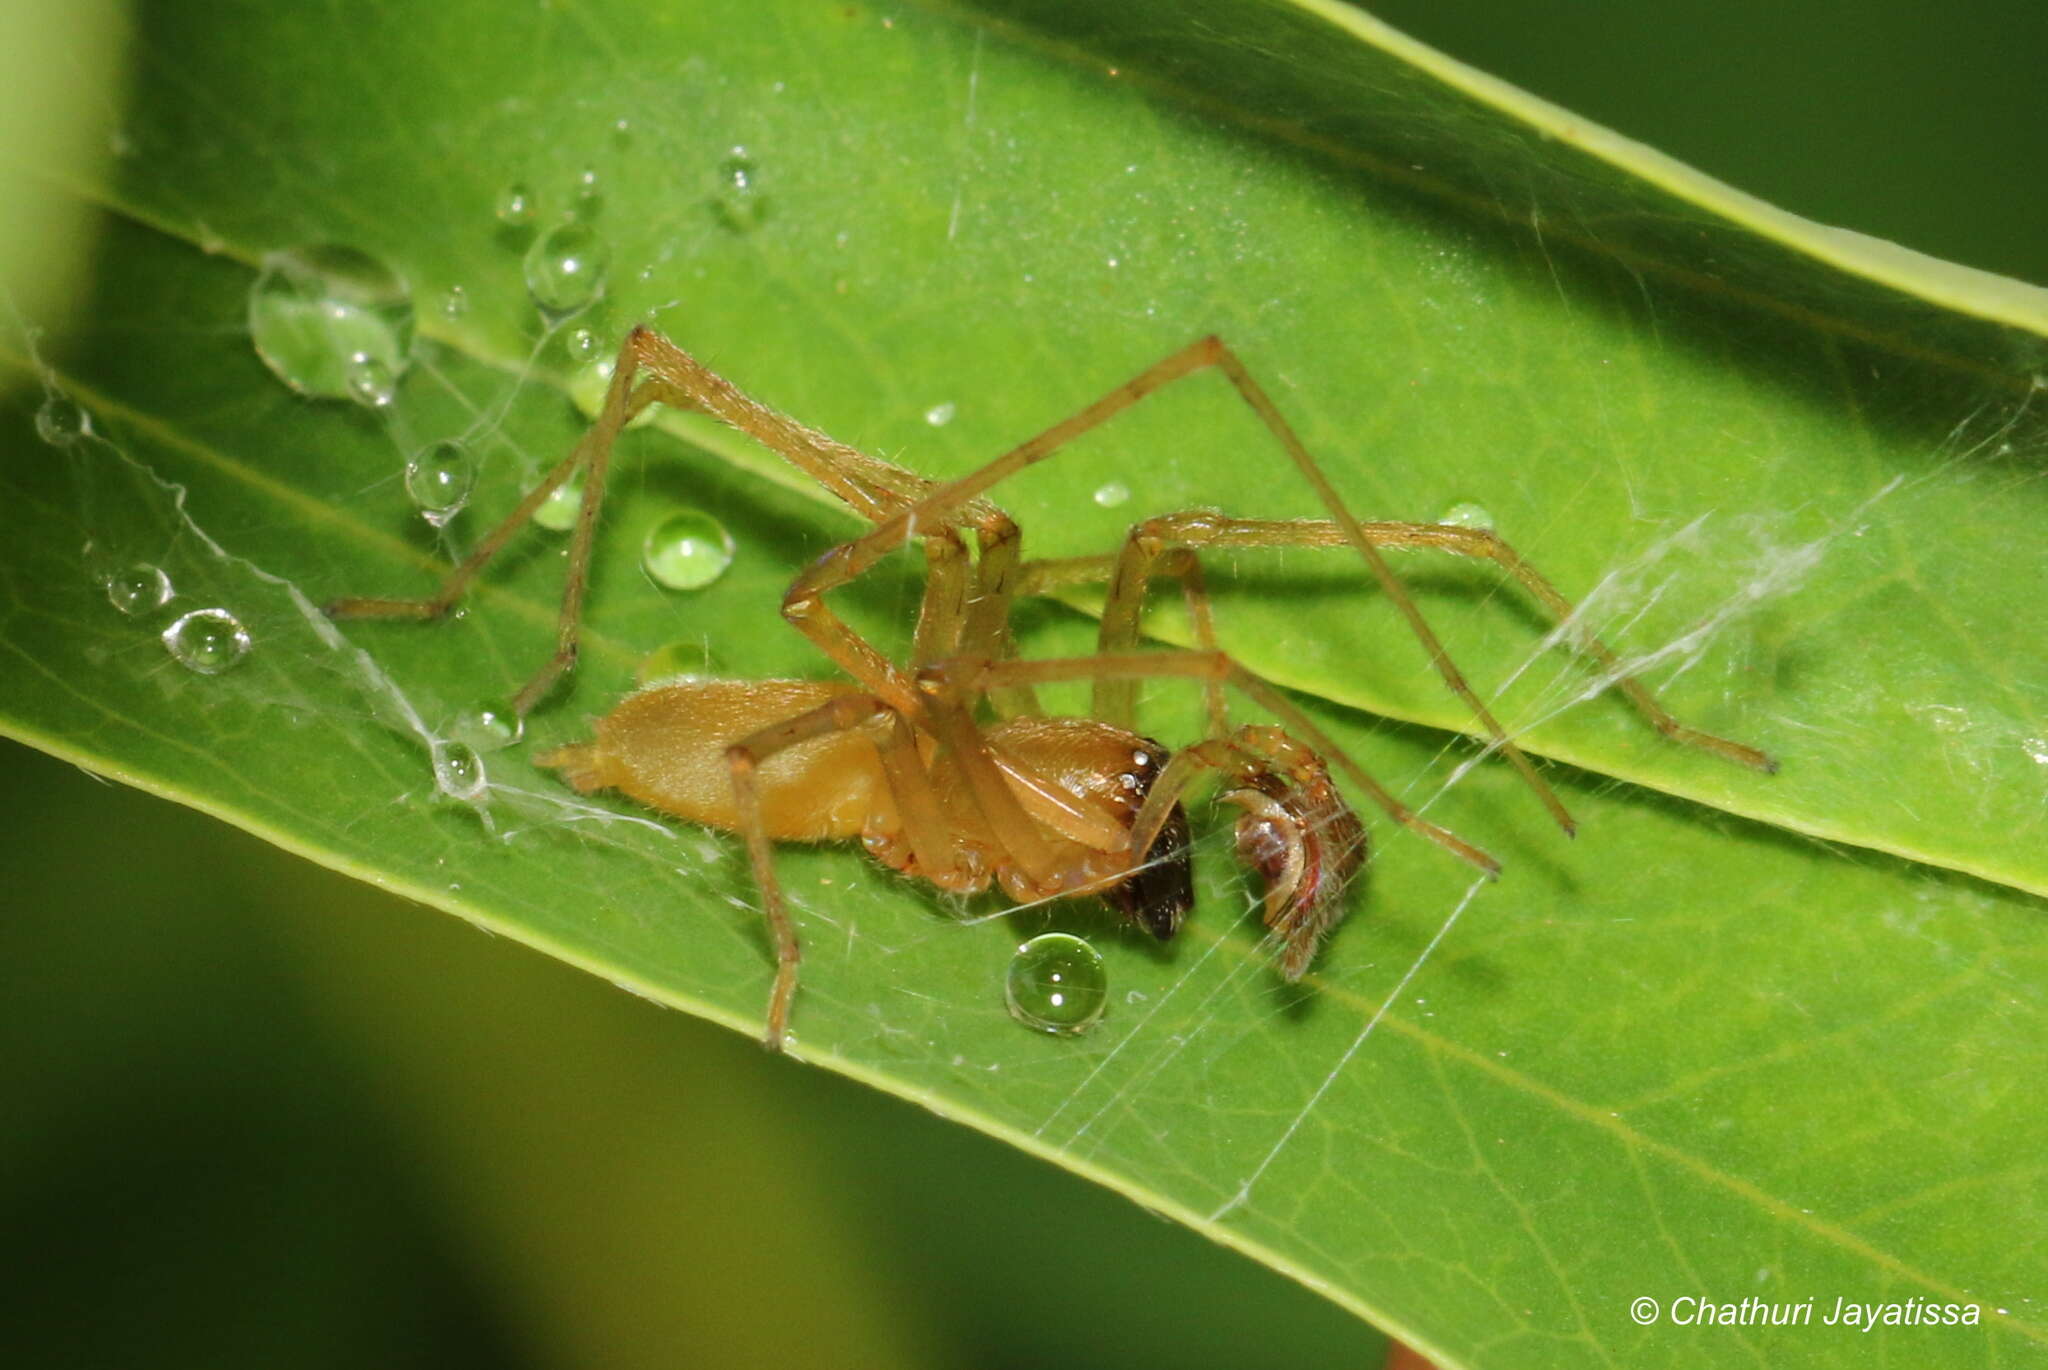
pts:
[909, 784]
[1043, 577]
[650, 369]
[844, 563]
[1153, 545]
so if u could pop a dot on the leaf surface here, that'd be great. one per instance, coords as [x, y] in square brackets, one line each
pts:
[1794, 478]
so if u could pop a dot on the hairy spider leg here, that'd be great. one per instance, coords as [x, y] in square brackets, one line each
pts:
[873, 488]
[1043, 577]
[908, 782]
[804, 604]
[1161, 538]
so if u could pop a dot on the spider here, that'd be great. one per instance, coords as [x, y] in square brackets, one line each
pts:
[946, 768]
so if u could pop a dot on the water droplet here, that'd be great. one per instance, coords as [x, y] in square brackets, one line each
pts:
[622, 132]
[515, 205]
[370, 382]
[208, 641]
[588, 192]
[455, 303]
[739, 204]
[139, 588]
[439, 478]
[459, 771]
[1112, 493]
[59, 420]
[331, 321]
[587, 387]
[558, 511]
[582, 345]
[687, 550]
[1057, 984]
[671, 660]
[565, 268]
[1466, 514]
[939, 415]
[488, 727]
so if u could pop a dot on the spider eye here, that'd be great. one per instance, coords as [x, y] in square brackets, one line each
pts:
[1307, 846]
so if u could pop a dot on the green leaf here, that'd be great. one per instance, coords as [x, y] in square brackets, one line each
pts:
[1793, 475]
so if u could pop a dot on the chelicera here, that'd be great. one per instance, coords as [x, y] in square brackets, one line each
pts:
[945, 767]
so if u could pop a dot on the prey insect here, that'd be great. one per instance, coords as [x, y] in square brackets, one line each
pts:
[945, 767]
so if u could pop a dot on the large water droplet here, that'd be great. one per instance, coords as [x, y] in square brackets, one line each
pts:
[515, 205]
[331, 321]
[1057, 984]
[565, 268]
[739, 204]
[208, 641]
[558, 511]
[439, 478]
[59, 420]
[1466, 514]
[139, 589]
[1112, 493]
[687, 550]
[459, 771]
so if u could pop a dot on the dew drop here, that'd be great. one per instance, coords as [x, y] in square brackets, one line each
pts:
[739, 204]
[515, 205]
[587, 387]
[1057, 984]
[939, 415]
[439, 478]
[582, 344]
[370, 382]
[488, 727]
[1466, 514]
[588, 185]
[331, 321]
[687, 550]
[138, 589]
[565, 268]
[59, 420]
[557, 513]
[459, 771]
[208, 641]
[455, 303]
[671, 660]
[1112, 493]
